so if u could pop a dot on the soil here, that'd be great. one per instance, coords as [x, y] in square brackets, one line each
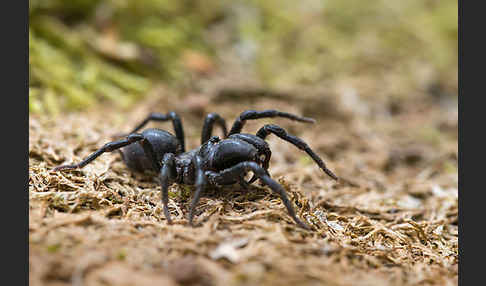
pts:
[391, 219]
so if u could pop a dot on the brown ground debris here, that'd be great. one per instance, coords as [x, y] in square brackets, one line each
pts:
[391, 220]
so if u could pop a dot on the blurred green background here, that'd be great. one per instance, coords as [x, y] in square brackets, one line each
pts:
[88, 52]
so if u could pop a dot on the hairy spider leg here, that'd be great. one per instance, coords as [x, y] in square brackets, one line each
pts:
[227, 175]
[115, 145]
[253, 114]
[167, 174]
[211, 119]
[262, 148]
[176, 122]
[200, 183]
[299, 143]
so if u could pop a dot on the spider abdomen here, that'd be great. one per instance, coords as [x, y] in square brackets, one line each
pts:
[161, 141]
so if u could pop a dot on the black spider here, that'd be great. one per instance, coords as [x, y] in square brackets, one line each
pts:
[216, 162]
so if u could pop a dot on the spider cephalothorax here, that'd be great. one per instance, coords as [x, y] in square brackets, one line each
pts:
[216, 162]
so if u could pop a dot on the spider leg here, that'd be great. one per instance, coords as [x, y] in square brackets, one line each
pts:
[210, 120]
[176, 122]
[115, 145]
[299, 143]
[167, 174]
[253, 114]
[108, 147]
[200, 183]
[228, 175]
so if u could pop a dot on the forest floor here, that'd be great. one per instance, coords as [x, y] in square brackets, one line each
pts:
[391, 219]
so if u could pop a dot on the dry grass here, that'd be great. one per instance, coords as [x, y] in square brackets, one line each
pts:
[391, 220]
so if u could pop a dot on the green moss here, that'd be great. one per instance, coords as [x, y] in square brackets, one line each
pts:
[121, 254]
[53, 248]
[317, 40]
[70, 70]
[286, 42]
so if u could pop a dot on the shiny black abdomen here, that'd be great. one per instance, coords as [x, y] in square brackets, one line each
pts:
[162, 142]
